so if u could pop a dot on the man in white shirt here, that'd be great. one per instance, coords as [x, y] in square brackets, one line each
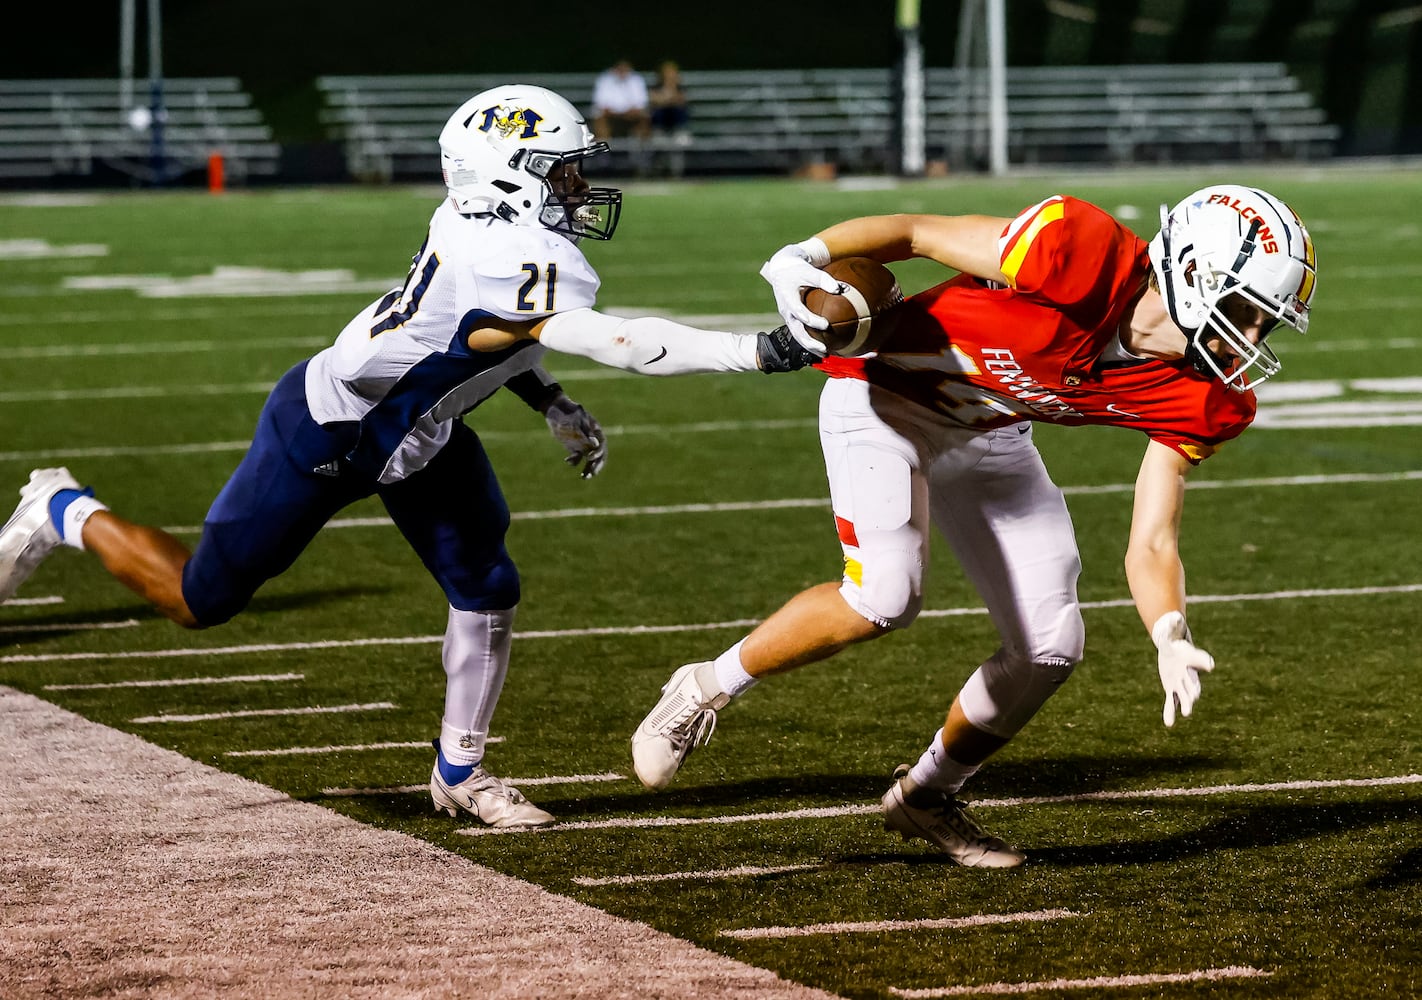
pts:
[620, 104]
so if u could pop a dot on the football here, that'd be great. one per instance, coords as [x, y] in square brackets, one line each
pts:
[870, 290]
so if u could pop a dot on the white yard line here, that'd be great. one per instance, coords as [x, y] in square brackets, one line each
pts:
[556, 779]
[227, 347]
[264, 712]
[177, 682]
[30, 602]
[71, 627]
[887, 926]
[794, 503]
[346, 748]
[531, 433]
[741, 871]
[1094, 983]
[659, 822]
[634, 630]
[832, 812]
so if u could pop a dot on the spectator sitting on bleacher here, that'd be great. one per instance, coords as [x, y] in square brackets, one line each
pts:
[620, 104]
[670, 114]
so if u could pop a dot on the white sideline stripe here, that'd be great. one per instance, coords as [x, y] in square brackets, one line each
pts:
[557, 779]
[177, 682]
[285, 751]
[72, 627]
[573, 633]
[22, 602]
[885, 926]
[832, 812]
[256, 712]
[1096, 982]
[740, 871]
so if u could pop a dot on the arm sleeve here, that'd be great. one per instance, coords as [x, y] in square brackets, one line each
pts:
[648, 345]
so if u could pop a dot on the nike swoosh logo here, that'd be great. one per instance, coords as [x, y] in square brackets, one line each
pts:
[1113, 408]
[656, 359]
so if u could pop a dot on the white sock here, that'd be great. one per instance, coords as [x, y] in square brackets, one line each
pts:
[935, 769]
[476, 658]
[460, 745]
[74, 517]
[730, 674]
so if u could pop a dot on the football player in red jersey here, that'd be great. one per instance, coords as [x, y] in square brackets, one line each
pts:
[1061, 314]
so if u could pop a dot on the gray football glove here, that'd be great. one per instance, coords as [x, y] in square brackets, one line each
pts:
[576, 430]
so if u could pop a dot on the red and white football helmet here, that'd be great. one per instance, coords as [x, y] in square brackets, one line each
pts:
[516, 152]
[1224, 244]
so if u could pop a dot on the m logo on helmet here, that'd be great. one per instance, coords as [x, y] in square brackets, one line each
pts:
[524, 121]
[1267, 241]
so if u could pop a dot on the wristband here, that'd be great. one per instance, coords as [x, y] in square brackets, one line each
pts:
[815, 251]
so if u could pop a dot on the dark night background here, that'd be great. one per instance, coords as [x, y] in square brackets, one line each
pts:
[1361, 59]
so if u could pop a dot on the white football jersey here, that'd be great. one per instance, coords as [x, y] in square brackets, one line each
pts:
[403, 367]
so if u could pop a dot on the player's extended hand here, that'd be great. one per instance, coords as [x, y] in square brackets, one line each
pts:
[791, 270]
[576, 430]
[778, 351]
[1181, 664]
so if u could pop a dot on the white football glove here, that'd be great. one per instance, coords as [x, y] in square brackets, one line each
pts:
[1181, 664]
[575, 429]
[791, 270]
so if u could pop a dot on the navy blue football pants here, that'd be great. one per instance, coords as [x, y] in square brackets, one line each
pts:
[452, 512]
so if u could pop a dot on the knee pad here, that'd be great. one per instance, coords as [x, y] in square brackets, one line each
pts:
[888, 591]
[1005, 692]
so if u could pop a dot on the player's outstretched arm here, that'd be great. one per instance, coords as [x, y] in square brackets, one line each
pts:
[650, 345]
[1157, 576]
[966, 243]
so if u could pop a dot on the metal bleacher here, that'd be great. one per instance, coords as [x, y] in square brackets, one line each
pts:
[54, 129]
[782, 120]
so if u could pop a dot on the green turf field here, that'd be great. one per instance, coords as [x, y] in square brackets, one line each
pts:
[1261, 848]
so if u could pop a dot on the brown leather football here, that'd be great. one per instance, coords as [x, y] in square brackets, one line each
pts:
[870, 290]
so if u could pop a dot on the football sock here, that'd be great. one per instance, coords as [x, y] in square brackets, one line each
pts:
[452, 771]
[730, 675]
[69, 509]
[476, 658]
[935, 769]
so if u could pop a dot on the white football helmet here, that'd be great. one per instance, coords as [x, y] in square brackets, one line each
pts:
[1220, 248]
[516, 152]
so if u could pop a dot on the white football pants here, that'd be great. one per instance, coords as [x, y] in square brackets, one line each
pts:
[895, 467]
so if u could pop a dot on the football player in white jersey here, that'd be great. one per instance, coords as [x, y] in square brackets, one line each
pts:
[499, 280]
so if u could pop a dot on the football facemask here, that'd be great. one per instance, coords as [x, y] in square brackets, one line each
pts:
[570, 206]
[516, 152]
[1230, 262]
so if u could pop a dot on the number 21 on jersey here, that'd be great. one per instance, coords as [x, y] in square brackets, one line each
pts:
[528, 294]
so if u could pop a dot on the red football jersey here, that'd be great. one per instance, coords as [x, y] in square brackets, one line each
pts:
[987, 356]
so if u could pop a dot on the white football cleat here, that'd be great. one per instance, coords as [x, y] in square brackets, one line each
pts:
[943, 821]
[29, 535]
[491, 800]
[682, 720]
